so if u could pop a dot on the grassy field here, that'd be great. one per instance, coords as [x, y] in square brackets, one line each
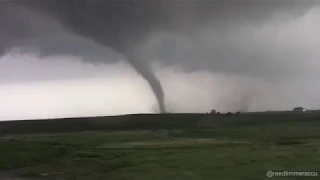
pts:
[161, 147]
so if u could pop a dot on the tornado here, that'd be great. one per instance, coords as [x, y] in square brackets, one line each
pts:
[125, 25]
[115, 25]
[144, 69]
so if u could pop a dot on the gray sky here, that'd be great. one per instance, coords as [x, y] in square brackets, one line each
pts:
[260, 60]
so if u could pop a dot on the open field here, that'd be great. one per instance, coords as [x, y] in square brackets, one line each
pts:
[161, 147]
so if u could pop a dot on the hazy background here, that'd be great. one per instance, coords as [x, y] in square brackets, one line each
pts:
[245, 67]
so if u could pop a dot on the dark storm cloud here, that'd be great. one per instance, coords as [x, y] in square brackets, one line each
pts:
[33, 31]
[230, 37]
[125, 25]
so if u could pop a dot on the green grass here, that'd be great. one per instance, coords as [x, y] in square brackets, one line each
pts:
[230, 148]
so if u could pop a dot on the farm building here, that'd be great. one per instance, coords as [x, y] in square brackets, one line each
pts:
[299, 109]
